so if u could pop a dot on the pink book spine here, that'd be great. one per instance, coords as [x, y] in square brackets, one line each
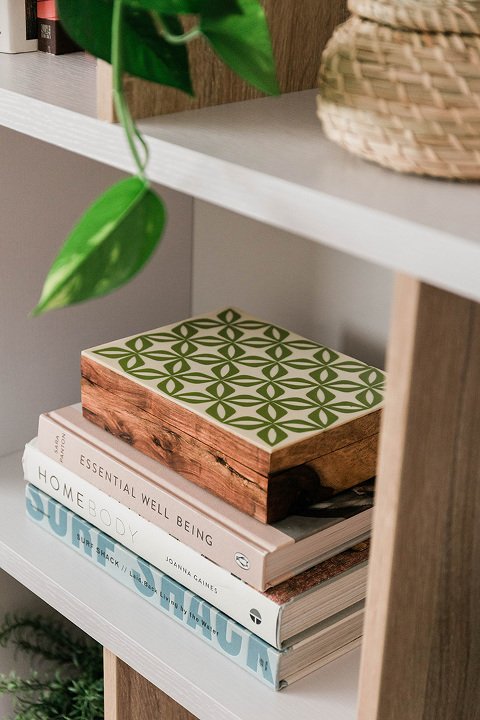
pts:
[148, 499]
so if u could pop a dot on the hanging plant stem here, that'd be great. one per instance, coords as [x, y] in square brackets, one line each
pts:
[163, 31]
[120, 103]
[118, 233]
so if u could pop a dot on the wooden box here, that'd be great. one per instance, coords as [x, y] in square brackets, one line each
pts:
[299, 32]
[259, 416]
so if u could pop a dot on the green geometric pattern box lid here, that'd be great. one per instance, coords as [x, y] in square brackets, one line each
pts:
[254, 413]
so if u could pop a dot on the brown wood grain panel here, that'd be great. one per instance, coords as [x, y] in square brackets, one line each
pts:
[129, 696]
[299, 33]
[421, 656]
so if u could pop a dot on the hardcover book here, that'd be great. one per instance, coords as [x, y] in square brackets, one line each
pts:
[52, 38]
[277, 615]
[261, 555]
[18, 26]
[257, 415]
[275, 668]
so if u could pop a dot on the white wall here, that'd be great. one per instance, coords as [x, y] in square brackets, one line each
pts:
[43, 190]
[320, 293]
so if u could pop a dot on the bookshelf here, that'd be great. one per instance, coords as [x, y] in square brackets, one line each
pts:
[267, 160]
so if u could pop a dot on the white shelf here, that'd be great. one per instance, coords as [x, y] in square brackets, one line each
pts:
[266, 159]
[193, 674]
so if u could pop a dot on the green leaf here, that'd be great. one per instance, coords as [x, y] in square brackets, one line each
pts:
[243, 42]
[219, 8]
[168, 7]
[109, 244]
[144, 53]
[211, 8]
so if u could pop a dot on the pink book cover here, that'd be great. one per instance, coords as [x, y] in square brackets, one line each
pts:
[212, 527]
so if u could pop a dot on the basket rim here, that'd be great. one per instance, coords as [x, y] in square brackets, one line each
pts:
[445, 16]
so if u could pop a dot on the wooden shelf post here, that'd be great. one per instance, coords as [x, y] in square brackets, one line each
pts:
[129, 696]
[421, 655]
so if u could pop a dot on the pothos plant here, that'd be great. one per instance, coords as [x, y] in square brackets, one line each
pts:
[145, 38]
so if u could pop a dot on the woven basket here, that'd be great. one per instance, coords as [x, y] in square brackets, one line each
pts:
[407, 100]
[458, 16]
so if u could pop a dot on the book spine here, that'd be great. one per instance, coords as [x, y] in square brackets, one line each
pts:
[203, 577]
[53, 39]
[18, 26]
[79, 451]
[170, 597]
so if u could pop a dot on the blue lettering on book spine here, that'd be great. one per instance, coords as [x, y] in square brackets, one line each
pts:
[197, 615]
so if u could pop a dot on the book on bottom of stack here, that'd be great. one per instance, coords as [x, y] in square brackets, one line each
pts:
[277, 615]
[328, 640]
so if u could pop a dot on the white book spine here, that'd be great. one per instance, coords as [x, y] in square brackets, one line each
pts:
[203, 577]
[15, 28]
[145, 495]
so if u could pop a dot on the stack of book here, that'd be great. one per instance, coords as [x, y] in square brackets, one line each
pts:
[222, 469]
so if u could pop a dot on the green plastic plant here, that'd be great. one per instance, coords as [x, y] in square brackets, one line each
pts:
[71, 685]
[118, 233]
